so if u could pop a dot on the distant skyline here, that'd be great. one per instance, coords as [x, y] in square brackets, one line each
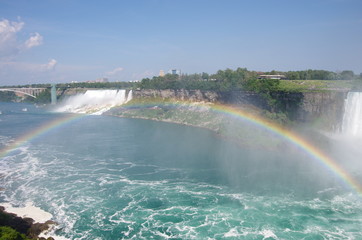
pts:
[57, 41]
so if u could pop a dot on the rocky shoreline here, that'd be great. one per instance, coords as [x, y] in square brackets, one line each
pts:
[24, 226]
[201, 115]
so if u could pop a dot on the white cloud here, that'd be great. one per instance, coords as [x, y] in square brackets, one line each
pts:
[26, 67]
[10, 46]
[49, 66]
[34, 41]
[114, 71]
[8, 39]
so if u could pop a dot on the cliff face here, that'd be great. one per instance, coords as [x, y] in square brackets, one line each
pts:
[233, 97]
[182, 94]
[323, 109]
[61, 93]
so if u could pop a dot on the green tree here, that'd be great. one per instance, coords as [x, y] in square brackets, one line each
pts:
[7, 233]
[347, 75]
[205, 76]
[265, 87]
[7, 96]
[171, 77]
[292, 75]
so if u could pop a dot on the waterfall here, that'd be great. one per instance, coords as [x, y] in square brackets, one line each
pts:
[352, 118]
[130, 96]
[94, 102]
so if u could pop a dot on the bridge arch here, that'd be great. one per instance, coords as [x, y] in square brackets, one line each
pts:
[17, 91]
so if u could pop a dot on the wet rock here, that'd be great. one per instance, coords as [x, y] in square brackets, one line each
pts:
[24, 225]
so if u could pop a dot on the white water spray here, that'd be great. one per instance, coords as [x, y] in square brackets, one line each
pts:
[94, 102]
[130, 96]
[352, 118]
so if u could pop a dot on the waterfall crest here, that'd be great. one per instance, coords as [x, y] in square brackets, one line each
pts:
[94, 102]
[352, 118]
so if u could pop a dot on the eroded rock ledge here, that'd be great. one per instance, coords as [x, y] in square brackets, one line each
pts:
[26, 226]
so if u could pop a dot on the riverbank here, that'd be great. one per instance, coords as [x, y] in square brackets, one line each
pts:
[231, 122]
[244, 124]
[16, 225]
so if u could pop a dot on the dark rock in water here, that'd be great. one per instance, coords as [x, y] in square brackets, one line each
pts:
[24, 225]
[37, 228]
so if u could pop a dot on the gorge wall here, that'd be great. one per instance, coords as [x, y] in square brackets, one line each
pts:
[322, 109]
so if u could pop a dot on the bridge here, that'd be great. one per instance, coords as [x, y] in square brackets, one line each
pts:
[32, 92]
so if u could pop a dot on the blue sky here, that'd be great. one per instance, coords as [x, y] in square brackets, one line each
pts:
[81, 40]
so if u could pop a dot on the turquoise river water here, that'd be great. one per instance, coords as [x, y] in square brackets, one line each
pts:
[103, 177]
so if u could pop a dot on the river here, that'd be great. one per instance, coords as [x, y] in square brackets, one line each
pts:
[103, 177]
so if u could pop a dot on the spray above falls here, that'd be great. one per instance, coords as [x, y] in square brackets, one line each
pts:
[352, 118]
[94, 102]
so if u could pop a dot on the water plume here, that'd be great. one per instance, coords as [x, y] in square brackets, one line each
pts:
[94, 102]
[352, 118]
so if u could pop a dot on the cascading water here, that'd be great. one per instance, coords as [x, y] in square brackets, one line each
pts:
[130, 96]
[94, 102]
[352, 118]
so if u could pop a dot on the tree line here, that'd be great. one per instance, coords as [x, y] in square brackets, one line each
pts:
[222, 80]
[321, 75]
[239, 79]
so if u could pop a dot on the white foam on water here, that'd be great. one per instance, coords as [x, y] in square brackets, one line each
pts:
[28, 211]
[141, 182]
[51, 233]
[267, 233]
[232, 233]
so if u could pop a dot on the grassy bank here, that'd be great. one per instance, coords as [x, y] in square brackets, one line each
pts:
[318, 85]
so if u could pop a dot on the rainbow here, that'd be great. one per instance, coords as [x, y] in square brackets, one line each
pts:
[285, 134]
[37, 132]
[312, 151]
[296, 140]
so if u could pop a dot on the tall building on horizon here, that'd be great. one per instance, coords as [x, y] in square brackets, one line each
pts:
[162, 73]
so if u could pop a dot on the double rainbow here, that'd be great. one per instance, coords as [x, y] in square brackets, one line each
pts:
[312, 151]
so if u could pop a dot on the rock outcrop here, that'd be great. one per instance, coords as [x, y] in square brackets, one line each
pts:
[25, 226]
[324, 109]
[182, 94]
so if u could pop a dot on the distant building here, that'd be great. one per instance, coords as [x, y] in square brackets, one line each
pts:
[162, 73]
[174, 71]
[276, 76]
[99, 80]
[102, 79]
